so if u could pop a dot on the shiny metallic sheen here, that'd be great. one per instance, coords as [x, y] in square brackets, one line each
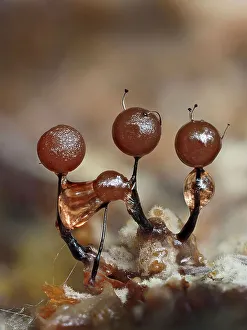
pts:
[77, 203]
[206, 189]
[143, 121]
[205, 136]
[61, 149]
[111, 186]
[197, 143]
[136, 131]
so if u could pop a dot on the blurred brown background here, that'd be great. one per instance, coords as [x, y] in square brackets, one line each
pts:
[69, 62]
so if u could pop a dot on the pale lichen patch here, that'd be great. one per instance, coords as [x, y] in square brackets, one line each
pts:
[153, 255]
[230, 269]
[127, 234]
[167, 216]
[70, 293]
[118, 256]
[152, 282]
[122, 294]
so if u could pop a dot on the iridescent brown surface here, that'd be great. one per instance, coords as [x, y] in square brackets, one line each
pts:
[61, 149]
[136, 131]
[197, 143]
[111, 186]
[206, 189]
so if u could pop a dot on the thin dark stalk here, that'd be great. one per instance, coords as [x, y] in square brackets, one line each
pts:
[133, 203]
[134, 208]
[134, 174]
[59, 189]
[189, 227]
[101, 245]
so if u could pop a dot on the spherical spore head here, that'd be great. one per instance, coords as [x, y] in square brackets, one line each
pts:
[197, 143]
[136, 131]
[61, 149]
[111, 186]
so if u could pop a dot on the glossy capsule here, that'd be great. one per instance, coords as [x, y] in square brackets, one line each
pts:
[136, 131]
[111, 186]
[206, 189]
[61, 149]
[197, 143]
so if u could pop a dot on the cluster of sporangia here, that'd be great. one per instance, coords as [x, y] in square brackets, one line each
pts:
[136, 132]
